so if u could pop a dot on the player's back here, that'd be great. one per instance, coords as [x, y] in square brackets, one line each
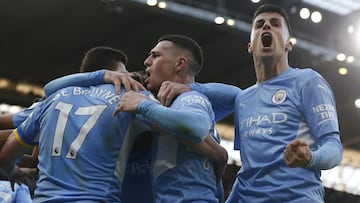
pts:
[80, 141]
[180, 174]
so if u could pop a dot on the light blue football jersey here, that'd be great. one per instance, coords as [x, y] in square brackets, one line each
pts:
[297, 104]
[21, 194]
[20, 116]
[138, 172]
[79, 144]
[180, 175]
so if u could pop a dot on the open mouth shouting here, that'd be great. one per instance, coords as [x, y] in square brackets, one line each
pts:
[266, 39]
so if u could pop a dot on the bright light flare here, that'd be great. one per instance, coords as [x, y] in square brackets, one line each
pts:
[162, 5]
[304, 13]
[151, 2]
[230, 22]
[4, 83]
[219, 20]
[357, 103]
[316, 17]
[341, 57]
[350, 59]
[343, 71]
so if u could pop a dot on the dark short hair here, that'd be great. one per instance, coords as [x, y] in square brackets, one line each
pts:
[188, 44]
[139, 76]
[102, 58]
[268, 8]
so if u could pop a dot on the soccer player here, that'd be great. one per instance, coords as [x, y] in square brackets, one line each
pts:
[286, 125]
[180, 172]
[77, 153]
[137, 174]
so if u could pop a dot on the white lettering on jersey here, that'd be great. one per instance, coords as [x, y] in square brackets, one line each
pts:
[195, 99]
[255, 125]
[98, 92]
[63, 93]
[276, 117]
[325, 112]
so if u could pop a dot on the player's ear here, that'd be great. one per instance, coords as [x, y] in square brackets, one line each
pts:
[250, 49]
[180, 63]
[289, 45]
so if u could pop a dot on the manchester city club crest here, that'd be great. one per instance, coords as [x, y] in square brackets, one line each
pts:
[279, 97]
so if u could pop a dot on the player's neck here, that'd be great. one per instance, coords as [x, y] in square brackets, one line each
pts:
[184, 78]
[268, 67]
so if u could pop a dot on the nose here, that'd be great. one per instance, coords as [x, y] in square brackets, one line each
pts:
[147, 64]
[266, 26]
[146, 69]
[147, 61]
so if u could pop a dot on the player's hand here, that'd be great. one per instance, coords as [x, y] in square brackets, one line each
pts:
[219, 170]
[169, 90]
[27, 176]
[129, 102]
[297, 154]
[122, 78]
[28, 161]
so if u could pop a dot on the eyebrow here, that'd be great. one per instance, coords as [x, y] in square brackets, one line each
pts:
[153, 52]
[274, 19]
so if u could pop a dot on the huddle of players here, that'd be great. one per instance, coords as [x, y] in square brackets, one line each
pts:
[75, 163]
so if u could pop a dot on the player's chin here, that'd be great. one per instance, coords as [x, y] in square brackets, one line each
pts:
[152, 87]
